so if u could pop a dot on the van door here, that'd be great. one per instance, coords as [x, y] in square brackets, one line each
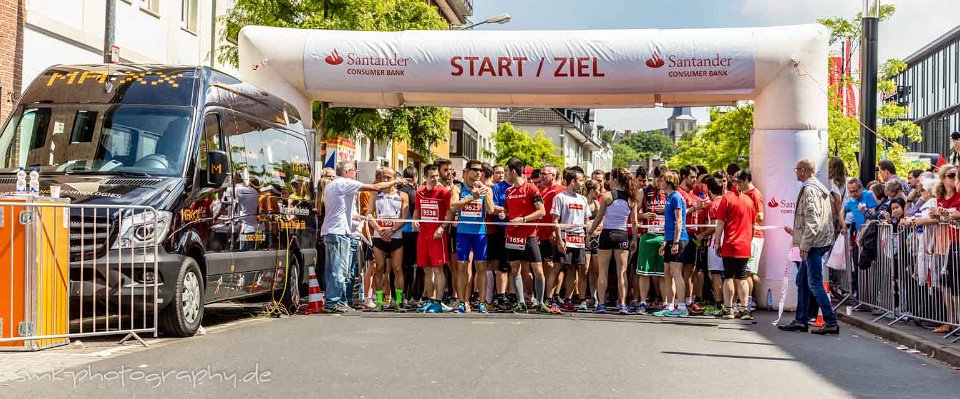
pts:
[253, 253]
[210, 209]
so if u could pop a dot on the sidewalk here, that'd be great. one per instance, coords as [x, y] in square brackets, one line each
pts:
[906, 333]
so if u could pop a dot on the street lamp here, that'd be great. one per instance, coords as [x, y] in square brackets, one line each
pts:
[496, 19]
[870, 23]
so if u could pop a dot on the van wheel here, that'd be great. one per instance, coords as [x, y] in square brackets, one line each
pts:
[182, 317]
[292, 293]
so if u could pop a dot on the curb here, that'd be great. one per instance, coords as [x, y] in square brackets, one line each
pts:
[942, 352]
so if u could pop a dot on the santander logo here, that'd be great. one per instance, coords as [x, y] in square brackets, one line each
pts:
[334, 58]
[773, 203]
[655, 61]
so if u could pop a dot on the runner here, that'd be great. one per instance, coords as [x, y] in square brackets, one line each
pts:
[675, 242]
[548, 244]
[756, 244]
[571, 208]
[709, 237]
[587, 282]
[388, 239]
[617, 209]
[496, 251]
[695, 208]
[649, 259]
[635, 298]
[523, 205]
[433, 203]
[736, 215]
[412, 281]
[448, 180]
[473, 202]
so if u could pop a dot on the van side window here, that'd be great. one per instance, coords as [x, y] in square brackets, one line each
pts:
[275, 147]
[212, 140]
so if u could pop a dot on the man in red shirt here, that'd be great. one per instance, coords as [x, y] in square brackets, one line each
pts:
[523, 205]
[744, 181]
[433, 204]
[551, 260]
[695, 213]
[735, 217]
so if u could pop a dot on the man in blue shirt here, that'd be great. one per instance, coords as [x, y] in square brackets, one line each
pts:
[496, 252]
[860, 202]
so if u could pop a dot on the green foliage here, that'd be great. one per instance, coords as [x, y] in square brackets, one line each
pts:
[651, 144]
[725, 140]
[534, 151]
[606, 135]
[624, 154]
[420, 127]
[844, 131]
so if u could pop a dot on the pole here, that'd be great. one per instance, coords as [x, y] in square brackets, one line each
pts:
[868, 98]
[109, 30]
[213, 33]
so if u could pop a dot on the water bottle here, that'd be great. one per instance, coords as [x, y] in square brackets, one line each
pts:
[769, 298]
[21, 181]
[34, 182]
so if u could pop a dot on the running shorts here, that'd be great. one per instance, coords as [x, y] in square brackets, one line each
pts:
[471, 242]
[431, 252]
[530, 253]
[756, 248]
[649, 260]
[735, 268]
[614, 239]
[669, 257]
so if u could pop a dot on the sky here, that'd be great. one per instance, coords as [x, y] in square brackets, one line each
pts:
[916, 23]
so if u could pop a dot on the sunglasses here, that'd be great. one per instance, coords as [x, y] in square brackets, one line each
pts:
[951, 175]
[476, 169]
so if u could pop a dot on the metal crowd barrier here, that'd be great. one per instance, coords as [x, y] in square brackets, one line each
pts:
[70, 271]
[915, 275]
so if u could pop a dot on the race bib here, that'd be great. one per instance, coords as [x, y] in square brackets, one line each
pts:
[658, 223]
[386, 224]
[574, 240]
[474, 209]
[429, 210]
[516, 243]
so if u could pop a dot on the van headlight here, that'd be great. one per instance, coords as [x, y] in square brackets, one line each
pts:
[140, 230]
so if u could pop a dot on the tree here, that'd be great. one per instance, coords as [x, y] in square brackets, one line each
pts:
[624, 154]
[651, 144]
[725, 140]
[420, 127]
[534, 151]
[843, 130]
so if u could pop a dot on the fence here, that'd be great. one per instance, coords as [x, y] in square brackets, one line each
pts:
[914, 274]
[69, 271]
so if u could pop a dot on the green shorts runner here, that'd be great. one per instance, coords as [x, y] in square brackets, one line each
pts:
[650, 262]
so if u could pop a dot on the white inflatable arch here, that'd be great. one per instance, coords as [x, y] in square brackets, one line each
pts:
[782, 69]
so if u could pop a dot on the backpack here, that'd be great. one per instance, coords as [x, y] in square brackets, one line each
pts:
[868, 242]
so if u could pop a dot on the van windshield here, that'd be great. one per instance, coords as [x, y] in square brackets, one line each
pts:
[97, 139]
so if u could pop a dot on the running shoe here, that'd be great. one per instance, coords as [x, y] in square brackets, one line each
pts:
[695, 309]
[634, 305]
[378, 307]
[436, 307]
[663, 313]
[601, 309]
[482, 308]
[543, 308]
[622, 309]
[680, 313]
[583, 306]
[554, 309]
[730, 314]
[519, 308]
[425, 308]
[751, 304]
[642, 309]
[568, 306]
[748, 315]
[399, 308]
[368, 304]
[444, 308]
[462, 308]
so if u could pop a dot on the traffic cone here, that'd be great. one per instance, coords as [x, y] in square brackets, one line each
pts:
[820, 323]
[315, 296]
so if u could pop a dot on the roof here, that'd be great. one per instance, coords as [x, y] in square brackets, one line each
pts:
[944, 40]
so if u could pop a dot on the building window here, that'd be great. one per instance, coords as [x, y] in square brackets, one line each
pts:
[151, 7]
[455, 142]
[188, 15]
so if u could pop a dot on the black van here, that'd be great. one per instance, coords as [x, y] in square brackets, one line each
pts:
[228, 167]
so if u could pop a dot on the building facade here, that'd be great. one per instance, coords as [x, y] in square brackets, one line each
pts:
[570, 129]
[12, 18]
[681, 122]
[471, 135]
[930, 87]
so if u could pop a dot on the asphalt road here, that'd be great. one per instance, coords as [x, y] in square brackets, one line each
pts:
[450, 356]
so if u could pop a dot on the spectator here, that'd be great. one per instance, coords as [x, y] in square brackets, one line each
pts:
[955, 148]
[837, 174]
[812, 233]
[859, 202]
[888, 173]
[339, 197]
